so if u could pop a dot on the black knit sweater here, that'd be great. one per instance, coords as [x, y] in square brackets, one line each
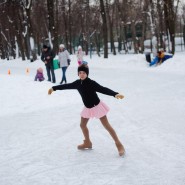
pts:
[87, 89]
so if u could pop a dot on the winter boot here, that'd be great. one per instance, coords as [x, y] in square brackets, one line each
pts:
[85, 145]
[120, 148]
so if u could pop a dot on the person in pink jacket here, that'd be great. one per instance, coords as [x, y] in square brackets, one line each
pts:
[39, 75]
[80, 55]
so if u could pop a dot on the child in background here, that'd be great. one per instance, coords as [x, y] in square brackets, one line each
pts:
[94, 107]
[80, 55]
[39, 76]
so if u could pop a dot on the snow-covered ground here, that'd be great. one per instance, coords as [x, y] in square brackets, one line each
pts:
[39, 133]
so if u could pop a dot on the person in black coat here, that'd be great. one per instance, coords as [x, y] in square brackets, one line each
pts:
[94, 107]
[47, 57]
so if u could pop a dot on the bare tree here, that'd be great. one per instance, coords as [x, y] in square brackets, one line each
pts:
[51, 25]
[73, 22]
[183, 17]
[105, 34]
[170, 20]
[110, 23]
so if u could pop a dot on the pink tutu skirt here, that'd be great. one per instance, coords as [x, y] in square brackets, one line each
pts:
[98, 111]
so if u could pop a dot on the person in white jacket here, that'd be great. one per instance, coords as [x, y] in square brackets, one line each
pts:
[63, 57]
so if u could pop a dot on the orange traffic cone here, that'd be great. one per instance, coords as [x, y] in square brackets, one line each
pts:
[27, 71]
[9, 72]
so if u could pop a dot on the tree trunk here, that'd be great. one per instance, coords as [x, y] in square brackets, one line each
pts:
[110, 29]
[18, 28]
[135, 42]
[97, 44]
[65, 24]
[105, 35]
[51, 27]
[170, 22]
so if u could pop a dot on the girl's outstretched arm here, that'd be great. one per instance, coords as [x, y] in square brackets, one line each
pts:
[72, 85]
[107, 91]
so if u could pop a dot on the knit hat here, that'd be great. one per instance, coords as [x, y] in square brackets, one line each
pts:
[84, 68]
[62, 46]
[40, 70]
[45, 46]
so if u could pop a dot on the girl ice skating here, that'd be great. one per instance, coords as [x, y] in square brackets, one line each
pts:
[94, 107]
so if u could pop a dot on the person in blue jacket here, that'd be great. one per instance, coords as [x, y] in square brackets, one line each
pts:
[160, 58]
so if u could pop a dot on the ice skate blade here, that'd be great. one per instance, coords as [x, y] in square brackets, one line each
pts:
[85, 149]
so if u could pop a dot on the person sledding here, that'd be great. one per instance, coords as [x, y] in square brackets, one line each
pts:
[160, 58]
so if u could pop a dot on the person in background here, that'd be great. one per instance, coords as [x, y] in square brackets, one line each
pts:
[80, 55]
[39, 75]
[94, 107]
[160, 58]
[47, 57]
[63, 58]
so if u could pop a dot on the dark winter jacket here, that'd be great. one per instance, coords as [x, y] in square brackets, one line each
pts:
[47, 53]
[87, 89]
